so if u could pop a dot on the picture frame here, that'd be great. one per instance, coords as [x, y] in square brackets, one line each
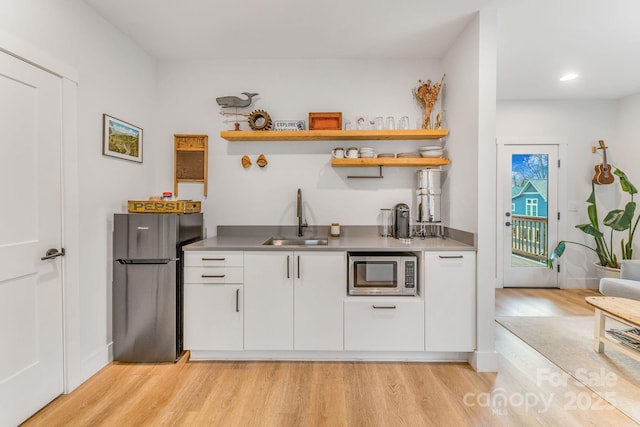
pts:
[121, 139]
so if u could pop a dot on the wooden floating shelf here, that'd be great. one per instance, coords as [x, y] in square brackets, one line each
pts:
[332, 135]
[403, 161]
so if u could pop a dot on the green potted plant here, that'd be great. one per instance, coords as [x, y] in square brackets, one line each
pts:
[618, 220]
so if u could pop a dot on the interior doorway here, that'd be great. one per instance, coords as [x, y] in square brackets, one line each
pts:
[528, 181]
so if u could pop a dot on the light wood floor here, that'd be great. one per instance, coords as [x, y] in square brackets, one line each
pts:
[342, 394]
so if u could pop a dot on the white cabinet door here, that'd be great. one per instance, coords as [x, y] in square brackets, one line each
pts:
[320, 286]
[213, 317]
[450, 283]
[268, 303]
[384, 324]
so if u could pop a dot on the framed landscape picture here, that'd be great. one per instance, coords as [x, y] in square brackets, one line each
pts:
[121, 139]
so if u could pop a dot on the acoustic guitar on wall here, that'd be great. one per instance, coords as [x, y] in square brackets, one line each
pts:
[603, 173]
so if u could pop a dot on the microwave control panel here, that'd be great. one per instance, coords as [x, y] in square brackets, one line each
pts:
[409, 274]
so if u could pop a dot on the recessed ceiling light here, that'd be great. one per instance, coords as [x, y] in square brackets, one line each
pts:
[567, 77]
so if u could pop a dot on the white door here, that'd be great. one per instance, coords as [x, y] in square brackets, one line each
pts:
[31, 360]
[529, 214]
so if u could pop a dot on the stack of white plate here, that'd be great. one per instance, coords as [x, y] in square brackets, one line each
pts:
[366, 152]
[431, 151]
[401, 155]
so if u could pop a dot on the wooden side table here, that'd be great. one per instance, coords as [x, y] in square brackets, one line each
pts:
[626, 311]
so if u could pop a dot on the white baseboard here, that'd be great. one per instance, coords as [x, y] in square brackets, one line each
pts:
[581, 283]
[96, 361]
[484, 361]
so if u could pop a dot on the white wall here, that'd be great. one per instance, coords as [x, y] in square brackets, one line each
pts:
[471, 72]
[626, 157]
[461, 98]
[628, 126]
[582, 123]
[289, 89]
[118, 78]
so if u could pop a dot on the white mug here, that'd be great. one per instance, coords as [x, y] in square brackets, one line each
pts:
[352, 153]
[337, 153]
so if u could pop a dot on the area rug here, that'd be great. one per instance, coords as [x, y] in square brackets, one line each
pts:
[568, 343]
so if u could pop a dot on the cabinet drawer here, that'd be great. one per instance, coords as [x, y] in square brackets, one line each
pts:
[213, 275]
[213, 259]
[384, 324]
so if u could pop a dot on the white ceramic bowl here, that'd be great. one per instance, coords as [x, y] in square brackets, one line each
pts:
[432, 153]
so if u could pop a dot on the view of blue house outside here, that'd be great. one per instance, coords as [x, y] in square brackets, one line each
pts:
[529, 200]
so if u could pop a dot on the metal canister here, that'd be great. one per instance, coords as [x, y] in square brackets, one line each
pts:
[428, 180]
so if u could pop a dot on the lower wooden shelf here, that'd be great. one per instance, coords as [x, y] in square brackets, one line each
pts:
[403, 161]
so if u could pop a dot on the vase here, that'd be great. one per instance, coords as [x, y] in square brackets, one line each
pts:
[608, 272]
[426, 122]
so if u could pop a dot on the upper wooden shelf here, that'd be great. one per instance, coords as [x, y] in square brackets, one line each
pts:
[332, 135]
[402, 161]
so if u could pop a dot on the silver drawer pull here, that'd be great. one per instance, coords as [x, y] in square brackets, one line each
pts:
[389, 307]
[213, 259]
[237, 300]
[450, 256]
[213, 276]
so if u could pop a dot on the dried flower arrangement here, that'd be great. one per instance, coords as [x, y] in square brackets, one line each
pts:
[427, 95]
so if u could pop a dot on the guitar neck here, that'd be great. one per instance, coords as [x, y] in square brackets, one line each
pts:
[604, 155]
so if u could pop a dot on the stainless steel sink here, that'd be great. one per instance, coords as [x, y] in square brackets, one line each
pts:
[296, 241]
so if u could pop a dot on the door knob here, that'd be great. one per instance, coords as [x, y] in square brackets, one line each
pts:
[507, 214]
[52, 253]
[508, 224]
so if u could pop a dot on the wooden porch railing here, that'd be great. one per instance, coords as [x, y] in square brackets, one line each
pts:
[529, 236]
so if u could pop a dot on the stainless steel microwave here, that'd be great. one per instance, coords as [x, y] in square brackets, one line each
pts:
[383, 273]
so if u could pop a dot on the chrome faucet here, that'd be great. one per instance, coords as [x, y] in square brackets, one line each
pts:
[301, 222]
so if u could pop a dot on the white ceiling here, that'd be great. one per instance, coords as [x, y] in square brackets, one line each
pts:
[538, 40]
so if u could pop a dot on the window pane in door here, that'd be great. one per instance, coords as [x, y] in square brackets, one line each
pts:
[529, 201]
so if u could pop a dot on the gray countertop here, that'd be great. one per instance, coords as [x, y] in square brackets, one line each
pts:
[352, 238]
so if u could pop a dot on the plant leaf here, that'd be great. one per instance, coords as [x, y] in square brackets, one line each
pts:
[626, 186]
[557, 253]
[592, 211]
[619, 219]
[590, 230]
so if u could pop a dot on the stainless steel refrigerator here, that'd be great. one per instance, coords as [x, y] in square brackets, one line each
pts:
[147, 284]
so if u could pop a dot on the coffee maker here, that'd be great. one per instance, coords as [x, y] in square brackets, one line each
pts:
[402, 221]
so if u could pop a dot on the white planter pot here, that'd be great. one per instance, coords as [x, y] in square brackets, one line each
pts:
[613, 273]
